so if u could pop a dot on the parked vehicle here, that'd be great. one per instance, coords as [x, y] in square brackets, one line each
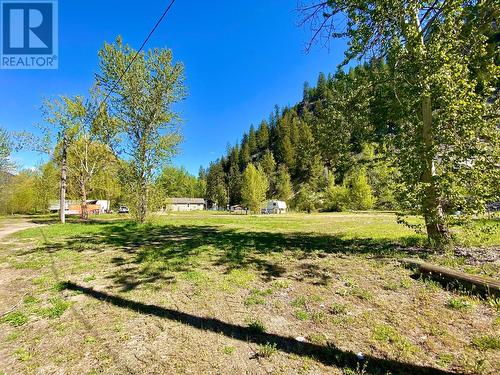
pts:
[123, 210]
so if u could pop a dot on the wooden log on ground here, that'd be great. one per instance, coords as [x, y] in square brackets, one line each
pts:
[484, 285]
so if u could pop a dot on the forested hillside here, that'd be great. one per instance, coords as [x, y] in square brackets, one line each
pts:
[331, 151]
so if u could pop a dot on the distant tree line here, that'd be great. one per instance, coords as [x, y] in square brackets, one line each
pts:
[333, 151]
[110, 145]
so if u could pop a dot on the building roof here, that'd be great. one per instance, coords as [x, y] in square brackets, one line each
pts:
[277, 203]
[187, 200]
[54, 204]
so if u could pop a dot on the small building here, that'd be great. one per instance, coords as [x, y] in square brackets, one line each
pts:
[74, 207]
[275, 207]
[185, 204]
[238, 209]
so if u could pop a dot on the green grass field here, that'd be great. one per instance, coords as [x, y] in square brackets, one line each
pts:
[219, 293]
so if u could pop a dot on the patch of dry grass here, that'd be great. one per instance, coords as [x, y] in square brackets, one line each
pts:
[214, 294]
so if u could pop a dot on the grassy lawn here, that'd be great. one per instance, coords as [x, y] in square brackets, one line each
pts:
[218, 293]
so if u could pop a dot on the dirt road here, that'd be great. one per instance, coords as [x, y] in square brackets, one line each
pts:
[10, 226]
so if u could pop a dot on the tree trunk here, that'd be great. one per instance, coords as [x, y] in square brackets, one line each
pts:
[85, 213]
[62, 196]
[433, 214]
[437, 232]
[143, 202]
[142, 208]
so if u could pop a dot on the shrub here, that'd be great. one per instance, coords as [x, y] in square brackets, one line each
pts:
[360, 191]
[337, 198]
[267, 350]
[306, 199]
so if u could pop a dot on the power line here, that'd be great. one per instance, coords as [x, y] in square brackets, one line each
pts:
[133, 59]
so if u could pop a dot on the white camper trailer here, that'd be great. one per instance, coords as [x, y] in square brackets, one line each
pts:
[275, 207]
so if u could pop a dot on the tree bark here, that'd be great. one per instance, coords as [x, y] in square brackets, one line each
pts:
[437, 232]
[142, 208]
[143, 202]
[433, 214]
[85, 213]
[62, 196]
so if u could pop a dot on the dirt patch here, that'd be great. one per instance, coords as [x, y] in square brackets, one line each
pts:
[187, 299]
[12, 226]
[477, 256]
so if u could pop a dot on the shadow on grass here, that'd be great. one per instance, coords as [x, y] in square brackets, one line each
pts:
[328, 355]
[151, 250]
[51, 219]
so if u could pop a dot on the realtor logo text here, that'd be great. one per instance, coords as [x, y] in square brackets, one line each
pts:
[29, 34]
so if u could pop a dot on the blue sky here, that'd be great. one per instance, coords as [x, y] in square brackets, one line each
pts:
[241, 58]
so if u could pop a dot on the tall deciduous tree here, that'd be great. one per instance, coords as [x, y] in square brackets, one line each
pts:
[448, 126]
[5, 149]
[87, 159]
[254, 187]
[66, 116]
[178, 183]
[142, 102]
[47, 184]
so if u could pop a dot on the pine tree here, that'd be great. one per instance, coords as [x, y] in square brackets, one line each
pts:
[252, 141]
[316, 174]
[306, 92]
[321, 86]
[202, 173]
[306, 152]
[234, 177]
[284, 190]
[263, 136]
[244, 153]
[268, 165]
[216, 190]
